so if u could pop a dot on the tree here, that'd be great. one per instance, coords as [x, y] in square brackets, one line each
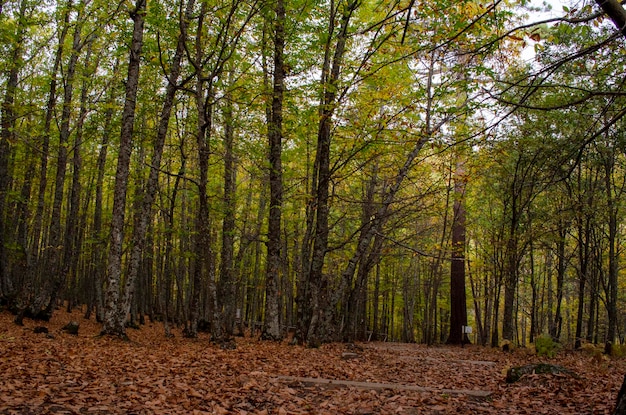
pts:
[146, 196]
[271, 328]
[7, 132]
[313, 305]
[57, 256]
[114, 319]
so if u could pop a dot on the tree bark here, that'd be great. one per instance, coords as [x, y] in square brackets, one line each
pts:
[45, 144]
[612, 198]
[7, 126]
[54, 255]
[114, 315]
[271, 327]
[314, 324]
[73, 233]
[202, 239]
[227, 287]
[146, 196]
[458, 305]
[556, 324]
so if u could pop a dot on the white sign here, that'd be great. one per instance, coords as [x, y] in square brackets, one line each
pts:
[467, 329]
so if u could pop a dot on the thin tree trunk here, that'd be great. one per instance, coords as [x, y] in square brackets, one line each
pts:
[375, 323]
[143, 213]
[115, 316]
[555, 329]
[73, 234]
[227, 287]
[583, 225]
[45, 145]
[271, 327]
[316, 329]
[7, 126]
[54, 257]
[168, 269]
[534, 324]
[613, 266]
[203, 95]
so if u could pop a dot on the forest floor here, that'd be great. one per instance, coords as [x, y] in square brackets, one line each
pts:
[60, 373]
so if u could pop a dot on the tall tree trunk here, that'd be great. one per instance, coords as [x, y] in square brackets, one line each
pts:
[168, 268]
[315, 325]
[613, 266]
[510, 289]
[73, 234]
[227, 288]
[458, 305]
[583, 225]
[45, 144]
[375, 306]
[534, 298]
[7, 126]
[271, 327]
[146, 196]
[557, 323]
[203, 95]
[98, 257]
[114, 315]
[54, 256]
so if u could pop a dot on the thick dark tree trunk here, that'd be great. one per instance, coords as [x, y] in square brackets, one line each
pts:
[510, 289]
[458, 305]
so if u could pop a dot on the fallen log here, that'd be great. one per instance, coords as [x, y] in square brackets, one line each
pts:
[332, 383]
[516, 373]
[460, 361]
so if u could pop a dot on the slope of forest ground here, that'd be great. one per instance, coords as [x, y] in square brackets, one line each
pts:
[60, 373]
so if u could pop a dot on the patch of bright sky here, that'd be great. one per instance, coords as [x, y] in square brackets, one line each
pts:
[539, 10]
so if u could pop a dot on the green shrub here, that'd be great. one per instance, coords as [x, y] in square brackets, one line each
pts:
[618, 350]
[546, 346]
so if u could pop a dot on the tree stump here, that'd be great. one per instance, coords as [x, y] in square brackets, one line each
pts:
[516, 373]
[71, 328]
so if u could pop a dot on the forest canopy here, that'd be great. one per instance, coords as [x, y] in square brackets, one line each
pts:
[339, 170]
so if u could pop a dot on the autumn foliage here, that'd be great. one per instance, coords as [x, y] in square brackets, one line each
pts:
[60, 373]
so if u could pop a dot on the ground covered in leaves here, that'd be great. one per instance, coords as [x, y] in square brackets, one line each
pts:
[60, 373]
